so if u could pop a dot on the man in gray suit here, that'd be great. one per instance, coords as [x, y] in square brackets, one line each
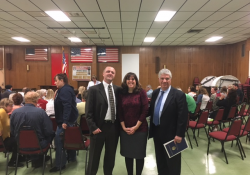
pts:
[103, 123]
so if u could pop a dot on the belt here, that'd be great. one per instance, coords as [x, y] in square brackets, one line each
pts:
[109, 121]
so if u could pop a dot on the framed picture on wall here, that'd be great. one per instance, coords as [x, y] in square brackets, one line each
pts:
[36, 54]
[81, 73]
[108, 55]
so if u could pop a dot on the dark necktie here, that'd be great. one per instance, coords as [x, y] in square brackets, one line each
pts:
[112, 103]
[156, 116]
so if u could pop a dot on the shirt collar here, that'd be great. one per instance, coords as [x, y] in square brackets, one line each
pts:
[166, 90]
[106, 84]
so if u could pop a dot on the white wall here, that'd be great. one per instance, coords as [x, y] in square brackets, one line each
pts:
[130, 63]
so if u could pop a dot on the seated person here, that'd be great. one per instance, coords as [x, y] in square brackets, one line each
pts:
[190, 102]
[50, 105]
[17, 99]
[202, 97]
[7, 92]
[9, 142]
[191, 91]
[81, 106]
[41, 102]
[77, 99]
[239, 92]
[30, 115]
[80, 91]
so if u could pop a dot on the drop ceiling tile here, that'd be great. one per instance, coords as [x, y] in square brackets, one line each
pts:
[175, 35]
[172, 5]
[6, 6]
[174, 24]
[83, 24]
[131, 31]
[221, 23]
[77, 19]
[22, 15]
[218, 16]
[235, 30]
[113, 25]
[128, 25]
[106, 5]
[187, 35]
[180, 39]
[93, 16]
[168, 30]
[130, 5]
[126, 35]
[127, 39]
[200, 15]
[157, 24]
[182, 15]
[245, 8]
[98, 24]
[144, 24]
[113, 35]
[205, 24]
[236, 24]
[113, 31]
[127, 43]
[111, 16]
[87, 5]
[190, 24]
[181, 30]
[129, 16]
[67, 5]
[209, 30]
[141, 31]
[118, 43]
[137, 43]
[170, 39]
[48, 6]
[234, 5]
[7, 16]
[193, 5]
[140, 35]
[159, 39]
[210, 5]
[51, 31]
[34, 30]
[36, 23]
[148, 5]
[52, 23]
[147, 16]
[236, 15]
[246, 25]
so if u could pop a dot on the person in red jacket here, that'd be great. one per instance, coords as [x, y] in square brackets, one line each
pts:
[41, 102]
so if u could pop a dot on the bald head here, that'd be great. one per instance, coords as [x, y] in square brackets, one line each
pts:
[31, 97]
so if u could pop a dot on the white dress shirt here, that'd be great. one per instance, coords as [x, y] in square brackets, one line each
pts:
[108, 114]
[91, 83]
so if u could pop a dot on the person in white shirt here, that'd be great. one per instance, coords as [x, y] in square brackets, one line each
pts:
[93, 82]
[50, 105]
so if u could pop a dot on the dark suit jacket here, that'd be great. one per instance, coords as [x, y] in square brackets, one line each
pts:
[6, 94]
[97, 106]
[173, 120]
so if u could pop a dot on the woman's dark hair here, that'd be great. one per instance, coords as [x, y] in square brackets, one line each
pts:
[62, 77]
[27, 90]
[192, 89]
[202, 90]
[232, 95]
[17, 99]
[125, 86]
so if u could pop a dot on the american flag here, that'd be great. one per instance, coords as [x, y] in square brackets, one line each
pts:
[81, 55]
[36, 54]
[108, 55]
[64, 63]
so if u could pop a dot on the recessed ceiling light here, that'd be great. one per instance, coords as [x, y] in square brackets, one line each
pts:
[214, 38]
[164, 15]
[58, 15]
[149, 39]
[21, 39]
[74, 39]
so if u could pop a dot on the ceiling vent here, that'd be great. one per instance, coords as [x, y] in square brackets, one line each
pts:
[74, 14]
[194, 31]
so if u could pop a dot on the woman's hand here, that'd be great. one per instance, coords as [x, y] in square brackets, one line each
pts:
[132, 130]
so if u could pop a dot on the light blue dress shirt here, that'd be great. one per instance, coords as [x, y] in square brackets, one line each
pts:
[165, 95]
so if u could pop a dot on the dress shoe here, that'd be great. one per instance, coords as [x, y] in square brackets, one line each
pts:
[55, 169]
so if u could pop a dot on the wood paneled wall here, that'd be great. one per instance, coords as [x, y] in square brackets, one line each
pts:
[185, 63]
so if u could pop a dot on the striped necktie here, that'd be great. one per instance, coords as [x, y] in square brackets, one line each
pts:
[112, 103]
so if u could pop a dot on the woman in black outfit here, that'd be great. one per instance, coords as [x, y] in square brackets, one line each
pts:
[227, 102]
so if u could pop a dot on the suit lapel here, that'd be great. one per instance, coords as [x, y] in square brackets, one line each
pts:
[169, 98]
[102, 92]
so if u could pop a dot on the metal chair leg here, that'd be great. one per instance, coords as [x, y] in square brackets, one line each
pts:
[7, 163]
[16, 163]
[43, 163]
[195, 138]
[241, 147]
[208, 145]
[189, 140]
[50, 157]
[222, 144]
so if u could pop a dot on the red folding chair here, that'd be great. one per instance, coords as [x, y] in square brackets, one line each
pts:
[74, 140]
[231, 115]
[28, 140]
[217, 119]
[54, 124]
[196, 113]
[242, 111]
[84, 125]
[232, 134]
[4, 150]
[201, 123]
[209, 106]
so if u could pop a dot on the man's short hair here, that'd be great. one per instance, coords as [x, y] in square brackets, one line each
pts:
[165, 71]
[40, 93]
[235, 84]
[31, 97]
[85, 95]
[8, 86]
[76, 92]
[149, 86]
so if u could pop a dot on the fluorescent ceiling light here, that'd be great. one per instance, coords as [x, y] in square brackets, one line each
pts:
[74, 39]
[164, 15]
[213, 39]
[149, 39]
[21, 39]
[58, 15]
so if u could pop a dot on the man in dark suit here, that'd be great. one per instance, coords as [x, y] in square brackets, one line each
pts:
[169, 113]
[102, 122]
[8, 91]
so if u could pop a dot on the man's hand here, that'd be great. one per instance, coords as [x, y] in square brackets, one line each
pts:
[96, 131]
[64, 126]
[177, 139]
